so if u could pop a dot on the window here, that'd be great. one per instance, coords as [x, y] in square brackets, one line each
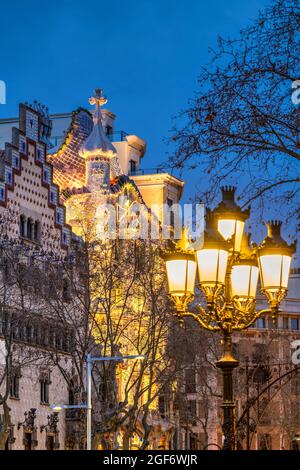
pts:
[171, 212]
[27, 441]
[39, 155]
[22, 226]
[295, 384]
[190, 381]
[23, 146]
[192, 411]
[235, 349]
[8, 177]
[285, 323]
[261, 375]
[44, 387]
[15, 383]
[264, 442]
[71, 395]
[194, 442]
[46, 176]
[36, 231]
[109, 130]
[202, 409]
[29, 229]
[261, 323]
[16, 161]
[66, 291]
[133, 167]
[295, 323]
[162, 406]
[11, 439]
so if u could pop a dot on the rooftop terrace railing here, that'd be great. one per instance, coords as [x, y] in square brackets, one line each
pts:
[146, 171]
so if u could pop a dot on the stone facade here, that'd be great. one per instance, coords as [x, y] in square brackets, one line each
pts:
[32, 230]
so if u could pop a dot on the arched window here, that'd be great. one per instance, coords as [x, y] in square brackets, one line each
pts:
[36, 231]
[22, 226]
[29, 229]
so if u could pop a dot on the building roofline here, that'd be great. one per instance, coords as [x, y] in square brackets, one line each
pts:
[163, 176]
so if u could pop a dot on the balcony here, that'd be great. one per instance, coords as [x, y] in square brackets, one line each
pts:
[148, 171]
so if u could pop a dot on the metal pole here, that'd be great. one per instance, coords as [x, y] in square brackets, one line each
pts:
[248, 441]
[227, 364]
[89, 402]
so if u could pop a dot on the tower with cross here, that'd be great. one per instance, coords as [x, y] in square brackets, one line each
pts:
[97, 150]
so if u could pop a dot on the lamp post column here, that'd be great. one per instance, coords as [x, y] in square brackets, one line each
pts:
[227, 364]
[89, 402]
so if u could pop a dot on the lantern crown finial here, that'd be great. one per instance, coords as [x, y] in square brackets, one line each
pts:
[211, 238]
[228, 193]
[274, 240]
[228, 208]
[274, 229]
[181, 248]
[184, 243]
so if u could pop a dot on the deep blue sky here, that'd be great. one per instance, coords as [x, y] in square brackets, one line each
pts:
[146, 55]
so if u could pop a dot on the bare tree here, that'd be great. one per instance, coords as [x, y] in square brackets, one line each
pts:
[112, 294]
[195, 352]
[18, 315]
[243, 126]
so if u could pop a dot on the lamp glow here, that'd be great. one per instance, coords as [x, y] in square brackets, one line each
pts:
[244, 278]
[212, 264]
[274, 257]
[181, 275]
[56, 408]
[274, 271]
[231, 218]
[232, 228]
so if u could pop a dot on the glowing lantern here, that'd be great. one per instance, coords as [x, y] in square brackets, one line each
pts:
[212, 255]
[230, 218]
[275, 256]
[181, 268]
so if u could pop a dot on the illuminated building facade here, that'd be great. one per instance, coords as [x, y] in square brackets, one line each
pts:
[33, 232]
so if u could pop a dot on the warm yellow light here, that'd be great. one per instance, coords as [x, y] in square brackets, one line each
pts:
[244, 280]
[56, 408]
[181, 276]
[232, 227]
[212, 264]
[274, 271]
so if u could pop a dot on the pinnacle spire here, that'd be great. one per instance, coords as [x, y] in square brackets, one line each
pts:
[97, 144]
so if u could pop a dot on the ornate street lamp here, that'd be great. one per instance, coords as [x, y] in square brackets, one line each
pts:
[230, 218]
[181, 272]
[274, 256]
[228, 272]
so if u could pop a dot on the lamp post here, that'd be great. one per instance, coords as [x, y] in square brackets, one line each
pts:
[88, 405]
[228, 271]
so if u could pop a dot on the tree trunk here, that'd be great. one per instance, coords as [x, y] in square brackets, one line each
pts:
[4, 434]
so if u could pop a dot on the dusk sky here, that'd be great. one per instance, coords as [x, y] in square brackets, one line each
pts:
[146, 56]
